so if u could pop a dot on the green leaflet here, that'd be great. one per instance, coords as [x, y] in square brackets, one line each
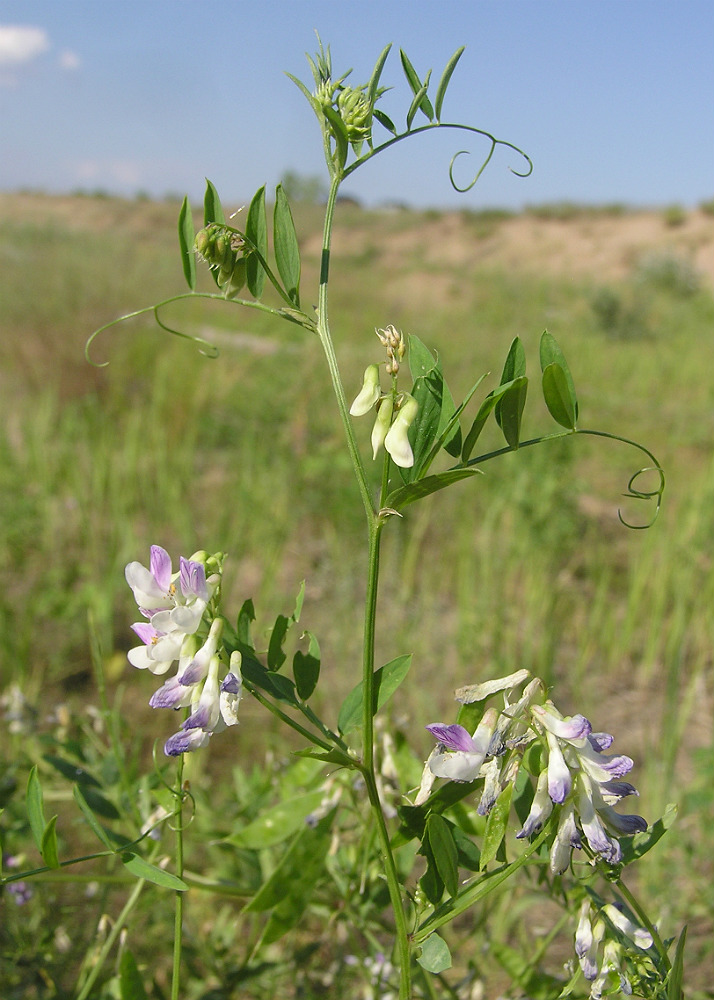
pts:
[550, 353]
[436, 411]
[140, 868]
[49, 844]
[435, 955]
[287, 251]
[386, 681]
[444, 81]
[306, 668]
[416, 85]
[405, 495]
[509, 410]
[256, 229]
[444, 851]
[187, 235]
[212, 208]
[35, 807]
[557, 396]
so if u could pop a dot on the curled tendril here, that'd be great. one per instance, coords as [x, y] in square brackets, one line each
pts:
[494, 143]
[205, 348]
[636, 494]
[464, 128]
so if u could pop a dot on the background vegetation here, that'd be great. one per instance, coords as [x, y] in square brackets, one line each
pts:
[530, 565]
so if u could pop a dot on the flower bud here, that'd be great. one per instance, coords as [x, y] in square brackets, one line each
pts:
[369, 393]
[355, 111]
[397, 441]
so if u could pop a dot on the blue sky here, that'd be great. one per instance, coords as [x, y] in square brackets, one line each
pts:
[612, 99]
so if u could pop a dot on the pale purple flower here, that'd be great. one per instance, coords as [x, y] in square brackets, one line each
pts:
[174, 603]
[559, 777]
[574, 727]
[460, 756]
[152, 587]
[592, 826]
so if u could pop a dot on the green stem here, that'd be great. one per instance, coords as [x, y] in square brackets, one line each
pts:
[178, 912]
[375, 527]
[323, 330]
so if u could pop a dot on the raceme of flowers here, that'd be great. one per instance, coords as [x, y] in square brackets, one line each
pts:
[576, 778]
[182, 628]
[395, 410]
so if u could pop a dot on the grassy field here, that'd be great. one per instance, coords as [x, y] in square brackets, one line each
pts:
[527, 567]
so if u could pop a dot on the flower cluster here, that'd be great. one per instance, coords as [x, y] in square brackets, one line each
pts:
[395, 410]
[179, 607]
[577, 777]
[604, 943]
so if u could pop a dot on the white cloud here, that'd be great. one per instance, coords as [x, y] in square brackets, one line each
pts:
[69, 60]
[21, 43]
[124, 174]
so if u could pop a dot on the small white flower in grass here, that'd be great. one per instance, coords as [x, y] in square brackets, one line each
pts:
[460, 756]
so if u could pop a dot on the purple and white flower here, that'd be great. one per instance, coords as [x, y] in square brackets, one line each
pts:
[174, 603]
[460, 756]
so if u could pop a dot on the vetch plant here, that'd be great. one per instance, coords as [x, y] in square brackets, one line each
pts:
[367, 843]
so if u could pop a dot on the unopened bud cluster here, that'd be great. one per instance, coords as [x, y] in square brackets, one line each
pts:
[395, 410]
[393, 342]
[225, 251]
[352, 105]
